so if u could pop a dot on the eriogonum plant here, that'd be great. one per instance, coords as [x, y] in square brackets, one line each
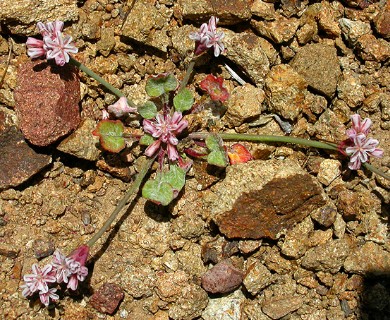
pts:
[164, 127]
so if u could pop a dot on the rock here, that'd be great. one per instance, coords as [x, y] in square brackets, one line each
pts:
[257, 276]
[285, 91]
[327, 19]
[279, 30]
[222, 278]
[319, 65]
[22, 15]
[326, 215]
[107, 41]
[348, 205]
[18, 162]
[243, 105]
[248, 52]
[329, 127]
[263, 9]
[369, 258]
[339, 226]
[107, 298]
[81, 143]
[218, 308]
[113, 164]
[43, 248]
[350, 89]
[138, 281]
[369, 48]
[148, 25]
[9, 251]
[229, 11]
[276, 195]
[328, 257]
[278, 307]
[192, 300]
[181, 41]
[169, 285]
[382, 21]
[352, 30]
[188, 226]
[375, 229]
[46, 101]
[329, 170]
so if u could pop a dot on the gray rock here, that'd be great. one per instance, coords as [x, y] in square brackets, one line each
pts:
[285, 91]
[319, 65]
[328, 257]
[81, 143]
[246, 50]
[352, 30]
[218, 308]
[278, 307]
[243, 105]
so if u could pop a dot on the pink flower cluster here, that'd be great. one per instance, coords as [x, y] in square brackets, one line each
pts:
[358, 146]
[165, 128]
[119, 109]
[208, 37]
[54, 45]
[62, 269]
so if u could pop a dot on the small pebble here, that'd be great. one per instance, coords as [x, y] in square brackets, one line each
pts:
[107, 298]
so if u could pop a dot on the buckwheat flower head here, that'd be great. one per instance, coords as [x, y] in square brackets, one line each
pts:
[61, 267]
[38, 280]
[165, 128]
[50, 29]
[46, 296]
[121, 108]
[359, 126]
[59, 48]
[361, 150]
[208, 37]
[76, 264]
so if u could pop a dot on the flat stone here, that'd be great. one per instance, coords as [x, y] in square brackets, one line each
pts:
[18, 162]
[248, 52]
[46, 101]
[81, 143]
[275, 194]
[370, 258]
[222, 278]
[279, 307]
[228, 11]
[107, 298]
[319, 65]
[285, 91]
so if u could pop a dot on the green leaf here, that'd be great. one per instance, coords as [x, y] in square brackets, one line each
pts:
[213, 142]
[146, 140]
[110, 133]
[161, 84]
[148, 110]
[158, 191]
[217, 158]
[184, 100]
[176, 177]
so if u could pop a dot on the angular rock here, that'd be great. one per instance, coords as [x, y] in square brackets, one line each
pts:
[371, 258]
[229, 11]
[328, 257]
[329, 170]
[247, 51]
[275, 194]
[350, 89]
[257, 276]
[352, 30]
[319, 65]
[285, 91]
[326, 215]
[372, 49]
[244, 104]
[382, 21]
[18, 162]
[148, 25]
[222, 278]
[19, 14]
[263, 9]
[43, 248]
[107, 298]
[279, 30]
[278, 307]
[46, 101]
[218, 308]
[81, 143]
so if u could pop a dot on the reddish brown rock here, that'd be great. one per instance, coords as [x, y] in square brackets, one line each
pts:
[280, 204]
[382, 21]
[107, 298]
[372, 49]
[46, 101]
[222, 278]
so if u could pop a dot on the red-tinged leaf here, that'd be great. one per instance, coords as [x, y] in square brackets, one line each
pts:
[237, 153]
[110, 133]
[215, 88]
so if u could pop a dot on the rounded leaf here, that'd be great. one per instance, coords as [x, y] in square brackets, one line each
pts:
[110, 133]
[184, 100]
[148, 110]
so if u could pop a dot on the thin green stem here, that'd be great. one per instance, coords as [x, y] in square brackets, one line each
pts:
[187, 75]
[376, 170]
[98, 78]
[267, 138]
[122, 203]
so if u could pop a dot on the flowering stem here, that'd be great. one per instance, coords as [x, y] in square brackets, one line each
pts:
[267, 138]
[98, 78]
[187, 75]
[133, 189]
[376, 170]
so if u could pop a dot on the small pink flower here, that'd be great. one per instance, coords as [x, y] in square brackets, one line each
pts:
[46, 296]
[50, 29]
[35, 48]
[361, 149]
[359, 126]
[61, 267]
[208, 37]
[121, 108]
[59, 48]
[38, 280]
[165, 128]
[76, 264]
